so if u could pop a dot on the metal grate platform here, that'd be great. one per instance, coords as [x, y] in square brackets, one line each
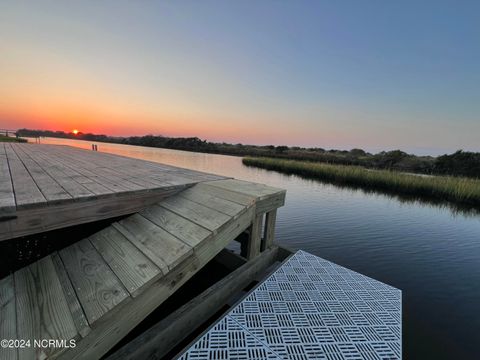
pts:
[309, 308]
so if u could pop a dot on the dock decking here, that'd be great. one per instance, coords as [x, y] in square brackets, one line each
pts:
[309, 308]
[46, 187]
[97, 290]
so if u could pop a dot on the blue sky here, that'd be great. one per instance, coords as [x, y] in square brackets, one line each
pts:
[335, 74]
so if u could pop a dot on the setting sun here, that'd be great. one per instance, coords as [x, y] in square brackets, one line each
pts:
[75, 131]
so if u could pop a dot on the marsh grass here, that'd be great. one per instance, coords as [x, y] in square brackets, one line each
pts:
[459, 190]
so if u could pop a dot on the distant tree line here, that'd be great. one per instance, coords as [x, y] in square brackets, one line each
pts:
[460, 163]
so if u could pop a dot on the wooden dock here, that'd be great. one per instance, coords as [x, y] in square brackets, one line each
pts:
[46, 187]
[173, 223]
[97, 290]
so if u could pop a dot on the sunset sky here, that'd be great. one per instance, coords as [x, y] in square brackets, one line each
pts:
[334, 74]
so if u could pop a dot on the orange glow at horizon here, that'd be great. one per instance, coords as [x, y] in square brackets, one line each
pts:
[105, 118]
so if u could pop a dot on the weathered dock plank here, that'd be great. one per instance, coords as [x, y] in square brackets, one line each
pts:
[239, 198]
[46, 187]
[8, 321]
[245, 187]
[42, 310]
[225, 206]
[50, 188]
[7, 196]
[76, 184]
[163, 245]
[27, 193]
[266, 198]
[202, 215]
[132, 267]
[76, 310]
[92, 170]
[186, 230]
[97, 287]
[103, 286]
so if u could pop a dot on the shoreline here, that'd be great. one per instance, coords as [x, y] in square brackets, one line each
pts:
[4, 138]
[455, 190]
[460, 163]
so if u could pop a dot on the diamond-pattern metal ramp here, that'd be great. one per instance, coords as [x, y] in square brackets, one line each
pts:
[309, 308]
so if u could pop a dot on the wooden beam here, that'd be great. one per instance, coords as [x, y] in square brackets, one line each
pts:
[270, 203]
[157, 341]
[255, 237]
[266, 198]
[36, 220]
[269, 234]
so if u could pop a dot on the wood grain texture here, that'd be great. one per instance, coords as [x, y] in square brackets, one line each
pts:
[66, 177]
[42, 310]
[200, 214]
[76, 310]
[47, 184]
[269, 203]
[27, 194]
[118, 322]
[239, 198]
[7, 197]
[245, 187]
[97, 287]
[254, 242]
[130, 265]
[269, 234]
[266, 198]
[8, 318]
[166, 248]
[91, 170]
[186, 230]
[213, 202]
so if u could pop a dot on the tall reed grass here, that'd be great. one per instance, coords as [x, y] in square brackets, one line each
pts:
[445, 188]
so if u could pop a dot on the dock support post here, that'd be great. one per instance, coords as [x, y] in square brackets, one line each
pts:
[255, 237]
[269, 234]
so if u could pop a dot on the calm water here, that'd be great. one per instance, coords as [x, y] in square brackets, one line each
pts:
[431, 253]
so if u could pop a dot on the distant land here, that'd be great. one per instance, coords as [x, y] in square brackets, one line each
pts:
[460, 163]
[4, 138]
